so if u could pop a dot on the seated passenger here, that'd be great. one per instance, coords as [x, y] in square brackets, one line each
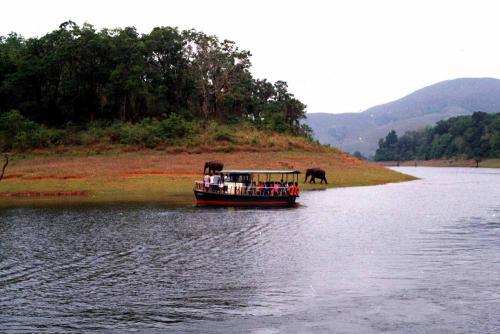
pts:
[276, 189]
[251, 189]
[260, 189]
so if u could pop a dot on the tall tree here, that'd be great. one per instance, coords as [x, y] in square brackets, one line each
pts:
[217, 66]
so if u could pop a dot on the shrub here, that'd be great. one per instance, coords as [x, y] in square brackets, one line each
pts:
[96, 130]
[151, 132]
[18, 132]
[175, 126]
[224, 135]
[131, 134]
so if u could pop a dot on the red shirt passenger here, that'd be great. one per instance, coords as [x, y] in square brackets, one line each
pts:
[260, 189]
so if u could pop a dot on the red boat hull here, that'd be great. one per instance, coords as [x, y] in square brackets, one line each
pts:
[220, 199]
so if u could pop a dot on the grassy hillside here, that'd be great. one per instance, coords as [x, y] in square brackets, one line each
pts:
[114, 173]
[361, 131]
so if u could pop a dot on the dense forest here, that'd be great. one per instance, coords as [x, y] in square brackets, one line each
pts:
[76, 77]
[473, 137]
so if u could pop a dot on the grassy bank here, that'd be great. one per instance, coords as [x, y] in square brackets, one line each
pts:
[166, 177]
[487, 163]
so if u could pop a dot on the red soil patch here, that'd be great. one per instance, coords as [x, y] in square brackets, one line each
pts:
[159, 173]
[44, 193]
[54, 177]
[349, 159]
[12, 176]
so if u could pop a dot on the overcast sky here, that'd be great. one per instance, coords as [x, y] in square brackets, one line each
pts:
[336, 56]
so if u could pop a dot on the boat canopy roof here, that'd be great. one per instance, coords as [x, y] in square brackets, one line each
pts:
[244, 171]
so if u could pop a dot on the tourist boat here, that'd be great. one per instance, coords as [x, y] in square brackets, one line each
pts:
[249, 188]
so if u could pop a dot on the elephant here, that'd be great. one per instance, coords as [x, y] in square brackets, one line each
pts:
[213, 166]
[315, 173]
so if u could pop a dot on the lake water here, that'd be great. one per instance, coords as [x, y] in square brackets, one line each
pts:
[415, 257]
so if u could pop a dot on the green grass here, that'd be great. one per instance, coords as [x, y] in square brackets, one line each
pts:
[111, 177]
[490, 163]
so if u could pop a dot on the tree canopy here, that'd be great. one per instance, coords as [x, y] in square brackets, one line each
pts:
[473, 137]
[77, 74]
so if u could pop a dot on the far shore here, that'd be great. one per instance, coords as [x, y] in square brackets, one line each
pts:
[150, 176]
[487, 163]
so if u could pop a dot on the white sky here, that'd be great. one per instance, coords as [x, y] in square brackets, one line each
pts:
[336, 56]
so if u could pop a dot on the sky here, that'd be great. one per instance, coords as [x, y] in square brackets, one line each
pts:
[337, 56]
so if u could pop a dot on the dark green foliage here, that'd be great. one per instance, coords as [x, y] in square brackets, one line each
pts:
[388, 148]
[152, 84]
[224, 135]
[175, 126]
[18, 132]
[472, 137]
[358, 155]
[151, 132]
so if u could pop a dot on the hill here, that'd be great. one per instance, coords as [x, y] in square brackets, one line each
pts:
[362, 131]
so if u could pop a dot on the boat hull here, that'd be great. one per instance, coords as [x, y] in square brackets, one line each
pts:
[216, 199]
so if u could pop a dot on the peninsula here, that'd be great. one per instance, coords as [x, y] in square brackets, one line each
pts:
[117, 116]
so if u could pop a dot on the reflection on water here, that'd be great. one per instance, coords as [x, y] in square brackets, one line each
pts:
[421, 256]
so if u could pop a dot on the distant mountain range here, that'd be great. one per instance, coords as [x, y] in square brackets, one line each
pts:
[361, 131]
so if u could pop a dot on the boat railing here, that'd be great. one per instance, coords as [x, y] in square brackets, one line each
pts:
[247, 190]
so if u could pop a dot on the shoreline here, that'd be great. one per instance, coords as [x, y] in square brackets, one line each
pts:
[150, 176]
[487, 163]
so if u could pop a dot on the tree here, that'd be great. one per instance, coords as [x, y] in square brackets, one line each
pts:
[76, 75]
[6, 162]
[217, 67]
[166, 71]
[357, 154]
[388, 149]
[473, 137]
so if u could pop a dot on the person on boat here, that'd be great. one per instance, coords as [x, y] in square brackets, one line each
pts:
[297, 191]
[282, 190]
[251, 188]
[292, 189]
[216, 182]
[206, 182]
[260, 189]
[276, 189]
[246, 186]
[223, 183]
[213, 184]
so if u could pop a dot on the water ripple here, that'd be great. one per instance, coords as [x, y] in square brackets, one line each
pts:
[398, 258]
